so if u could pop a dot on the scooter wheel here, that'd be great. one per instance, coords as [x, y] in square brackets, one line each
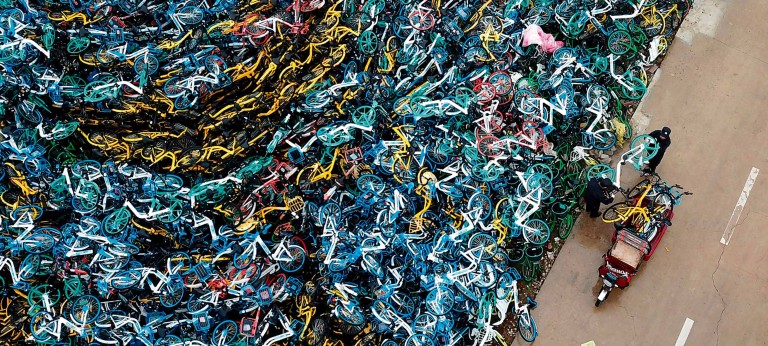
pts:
[597, 302]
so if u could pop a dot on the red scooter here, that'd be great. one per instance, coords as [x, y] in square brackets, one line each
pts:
[630, 248]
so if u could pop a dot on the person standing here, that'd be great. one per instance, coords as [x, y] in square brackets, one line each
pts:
[663, 140]
[598, 191]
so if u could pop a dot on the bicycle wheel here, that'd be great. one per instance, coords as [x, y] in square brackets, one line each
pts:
[331, 138]
[330, 211]
[126, 279]
[368, 42]
[480, 205]
[175, 209]
[224, 333]
[419, 340]
[168, 340]
[29, 266]
[196, 305]
[242, 260]
[185, 101]
[146, 64]
[168, 182]
[653, 25]
[424, 324]
[482, 246]
[41, 326]
[43, 296]
[664, 201]
[86, 309]
[116, 222]
[601, 171]
[174, 87]
[38, 243]
[484, 276]
[403, 304]
[173, 293]
[536, 231]
[440, 301]
[190, 15]
[86, 197]
[72, 85]
[603, 139]
[351, 316]
[634, 89]
[95, 91]
[564, 226]
[421, 20]
[365, 116]
[614, 212]
[73, 287]
[526, 326]
[77, 45]
[525, 101]
[619, 42]
[502, 81]
[296, 259]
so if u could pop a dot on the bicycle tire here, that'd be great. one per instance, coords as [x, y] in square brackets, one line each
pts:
[146, 64]
[126, 279]
[526, 327]
[168, 340]
[536, 231]
[636, 89]
[86, 309]
[172, 294]
[614, 212]
[173, 87]
[665, 200]
[480, 204]
[224, 333]
[116, 221]
[419, 340]
[620, 42]
[43, 294]
[298, 256]
[38, 326]
[353, 317]
[603, 139]
[39, 243]
[564, 226]
[190, 15]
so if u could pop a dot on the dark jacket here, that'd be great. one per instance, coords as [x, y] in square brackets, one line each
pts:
[663, 143]
[595, 193]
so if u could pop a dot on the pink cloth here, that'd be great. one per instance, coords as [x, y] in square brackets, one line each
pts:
[535, 35]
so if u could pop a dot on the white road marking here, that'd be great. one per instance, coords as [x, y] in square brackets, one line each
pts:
[684, 332]
[729, 229]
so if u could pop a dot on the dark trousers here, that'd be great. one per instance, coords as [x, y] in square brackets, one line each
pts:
[654, 162]
[593, 207]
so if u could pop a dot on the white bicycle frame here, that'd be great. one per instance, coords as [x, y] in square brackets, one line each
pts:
[619, 78]
[7, 262]
[633, 156]
[151, 215]
[20, 41]
[115, 86]
[58, 324]
[637, 9]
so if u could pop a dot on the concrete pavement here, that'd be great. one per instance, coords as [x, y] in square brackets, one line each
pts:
[712, 91]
